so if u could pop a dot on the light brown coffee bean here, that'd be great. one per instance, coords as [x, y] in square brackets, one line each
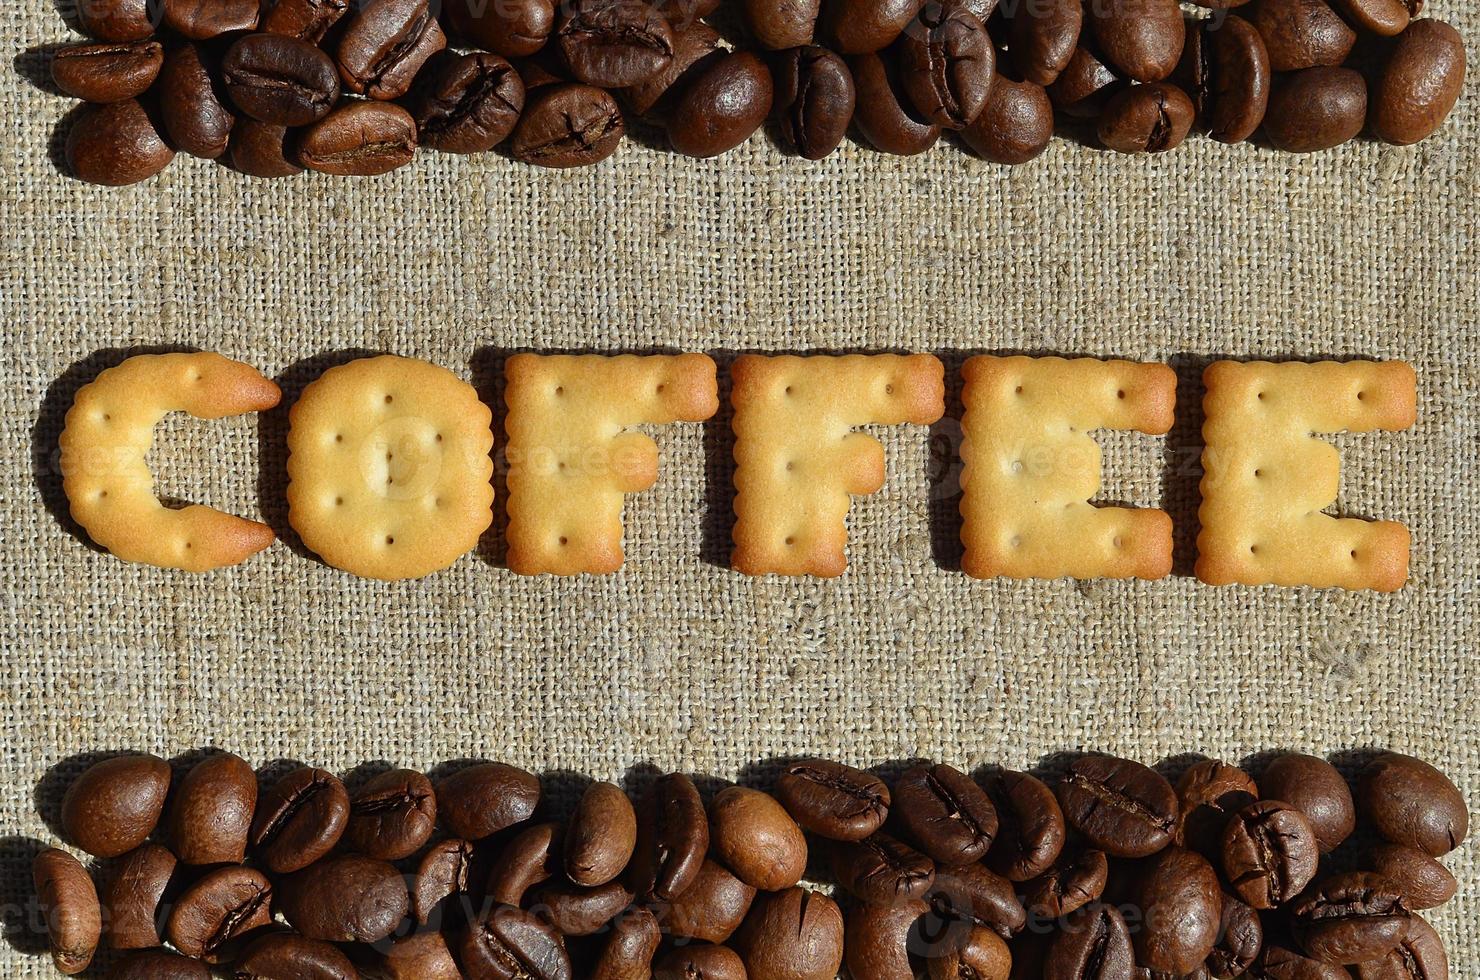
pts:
[133, 896]
[600, 836]
[1420, 83]
[211, 815]
[107, 72]
[114, 806]
[69, 908]
[756, 838]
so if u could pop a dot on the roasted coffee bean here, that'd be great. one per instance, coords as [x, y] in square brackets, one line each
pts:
[944, 813]
[694, 47]
[1301, 33]
[780, 24]
[133, 895]
[672, 839]
[974, 954]
[114, 805]
[947, 63]
[862, 26]
[1043, 35]
[201, 20]
[754, 836]
[384, 45]
[1279, 962]
[300, 818]
[1141, 38]
[1030, 832]
[575, 911]
[878, 939]
[194, 114]
[421, 956]
[1420, 84]
[1070, 884]
[281, 80]
[1316, 109]
[345, 899]
[613, 43]
[1411, 802]
[1423, 882]
[882, 870]
[1269, 853]
[975, 894]
[470, 105]
[1147, 119]
[629, 949]
[1120, 806]
[814, 104]
[1091, 944]
[393, 814]
[68, 903]
[532, 857]
[1316, 789]
[116, 20]
[1085, 85]
[441, 872]
[795, 934]
[829, 798]
[116, 144]
[512, 28]
[712, 907]
[212, 811]
[159, 965]
[1226, 71]
[107, 72]
[219, 909]
[568, 125]
[1384, 17]
[510, 944]
[1181, 906]
[1420, 956]
[1015, 126]
[700, 962]
[884, 114]
[306, 20]
[1350, 918]
[727, 101]
[261, 150]
[1208, 795]
[1240, 939]
[285, 956]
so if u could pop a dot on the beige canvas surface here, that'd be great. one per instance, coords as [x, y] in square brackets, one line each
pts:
[677, 662]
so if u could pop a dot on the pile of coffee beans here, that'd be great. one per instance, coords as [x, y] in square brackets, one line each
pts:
[1106, 871]
[354, 87]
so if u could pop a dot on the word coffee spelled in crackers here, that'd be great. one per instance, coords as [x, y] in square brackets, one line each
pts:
[798, 458]
[1267, 477]
[1030, 468]
[107, 434]
[389, 472]
[573, 453]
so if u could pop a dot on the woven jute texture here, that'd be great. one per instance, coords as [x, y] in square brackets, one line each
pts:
[677, 662]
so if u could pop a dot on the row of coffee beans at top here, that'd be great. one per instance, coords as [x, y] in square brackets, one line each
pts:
[1107, 871]
[354, 88]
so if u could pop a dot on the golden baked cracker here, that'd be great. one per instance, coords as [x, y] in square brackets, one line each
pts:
[107, 434]
[798, 458]
[1267, 477]
[1030, 468]
[389, 473]
[573, 453]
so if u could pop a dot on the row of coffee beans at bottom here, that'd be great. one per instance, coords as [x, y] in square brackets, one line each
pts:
[1105, 870]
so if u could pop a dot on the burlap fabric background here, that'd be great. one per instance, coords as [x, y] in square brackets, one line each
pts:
[677, 662]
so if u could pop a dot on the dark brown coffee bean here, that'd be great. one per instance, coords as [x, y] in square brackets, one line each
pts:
[285, 956]
[68, 903]
[481, 800]
[441, 872]
[1120, 806]
[281, 80]
[1384, 17]
[884, 114]
[470, 104]
[780, 24]
[877, 939]
[700, 962]
[212, 811]
[1085, 85]
[1423, 882]
[1350, 918]
[1269, 853]
[862, 26]
[973, 893]
[1301, 33]
[116, 144]
[299, 819]
[1240, 940]
[753, 835]
[882, 870]
[1420, 956]
[829, 798]
[947, 64]
[116, 20]
[1411, 802]
[1069, 885]
[727, 101]
[194, 114]
[694, 48]
[1316, 109]
[261, 150]
[114, 805]
[347, 898]
[682, 13]
[568, 125]
[629, 949]
[133, 895]
[201, 20]
[1015, 126]
[1141, 38]
[973, 954]
[712, 907]
[1279, 962]
[575, 911]
[1181, 906]
[1420, 84]
[1316, 789]
[672, 839]
[1229, 77]
[814, 103]
[1043, 35]
[945, 813]
[1030, 832]
[1208, 795]
[510, 944]
[392, 815]
[158, 965]
[306, 20]
[532, 857]
[512, 28]
[1092, 944]
[614, 43]
[107, 72]
[1147, 119]
[218, 910]
[384, 45]
[796, 933]
[420, 956]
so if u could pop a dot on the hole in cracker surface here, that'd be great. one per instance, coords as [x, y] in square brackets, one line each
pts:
[1120, 394]
[564, 541]
[790, 540]
[389, 539]
[389, 399]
